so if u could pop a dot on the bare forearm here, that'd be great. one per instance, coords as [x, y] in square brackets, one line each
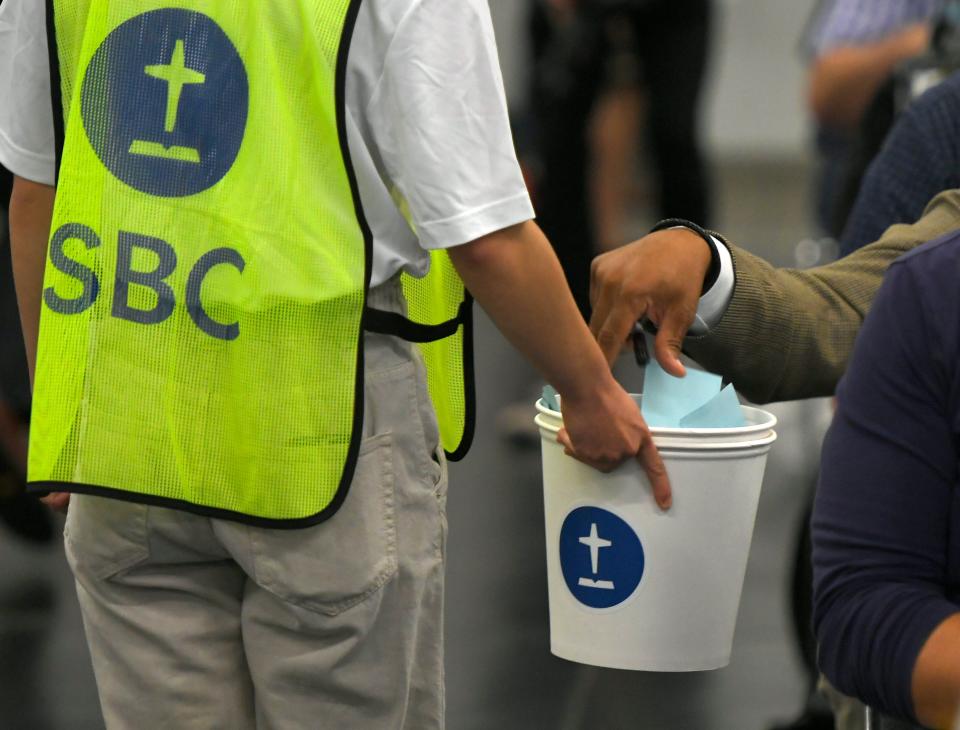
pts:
[31, 210]
[844, 81]
[516, 278]
[936, 677]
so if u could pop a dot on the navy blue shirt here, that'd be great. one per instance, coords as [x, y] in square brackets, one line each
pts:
[920, 158]
[886, 524]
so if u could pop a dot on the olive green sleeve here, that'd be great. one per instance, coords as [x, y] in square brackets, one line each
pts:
[787, 333]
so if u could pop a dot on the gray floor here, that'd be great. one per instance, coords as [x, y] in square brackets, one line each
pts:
[500, 672]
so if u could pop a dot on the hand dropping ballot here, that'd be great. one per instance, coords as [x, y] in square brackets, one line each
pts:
[631, 586]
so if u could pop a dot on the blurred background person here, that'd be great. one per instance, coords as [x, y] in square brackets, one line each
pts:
[611, 82]
[919, 136]
[854, 46]
[22, 514]
[605, 74]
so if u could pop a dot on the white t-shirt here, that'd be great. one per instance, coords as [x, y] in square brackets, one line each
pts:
[426, 115]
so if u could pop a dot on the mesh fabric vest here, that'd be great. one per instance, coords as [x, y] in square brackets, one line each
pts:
[204, 295]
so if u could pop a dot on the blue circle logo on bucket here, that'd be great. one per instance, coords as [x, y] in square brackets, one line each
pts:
[601, 557]
[164, 102]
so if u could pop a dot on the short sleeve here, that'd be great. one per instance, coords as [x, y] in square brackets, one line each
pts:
[856, 22]
[438, 119]
[26, 117]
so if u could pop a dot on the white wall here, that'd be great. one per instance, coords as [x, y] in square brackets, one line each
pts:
[754, 103]
[510, 24]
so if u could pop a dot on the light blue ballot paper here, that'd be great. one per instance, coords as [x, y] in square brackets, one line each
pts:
[721, 411]
[694, 401]
[550, 399]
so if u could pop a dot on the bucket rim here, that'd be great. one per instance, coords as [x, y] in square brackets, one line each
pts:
[675, 446]
[768, 424]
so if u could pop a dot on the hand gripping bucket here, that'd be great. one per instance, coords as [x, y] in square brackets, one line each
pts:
[633, 587]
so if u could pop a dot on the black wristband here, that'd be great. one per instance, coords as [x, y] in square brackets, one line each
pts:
[714, 269]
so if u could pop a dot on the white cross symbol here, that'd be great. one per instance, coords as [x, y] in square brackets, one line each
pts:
[595, 542]
[177, 75]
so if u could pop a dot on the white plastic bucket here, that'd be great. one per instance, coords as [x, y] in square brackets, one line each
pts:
[633, 587]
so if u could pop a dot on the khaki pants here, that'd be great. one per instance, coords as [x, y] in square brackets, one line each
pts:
[203, 623]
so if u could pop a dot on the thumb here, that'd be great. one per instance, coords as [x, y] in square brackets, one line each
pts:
[669, 341]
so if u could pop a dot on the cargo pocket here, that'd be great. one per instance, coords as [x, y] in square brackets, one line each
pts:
[342, 562]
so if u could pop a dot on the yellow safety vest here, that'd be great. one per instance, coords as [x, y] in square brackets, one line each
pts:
[204, 303]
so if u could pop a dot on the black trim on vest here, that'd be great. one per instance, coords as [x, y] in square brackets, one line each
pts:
[45, 487]
[396, 325]
[349, 467]
[391, 323]
[56, 89]
[469, 383]
[41, 489]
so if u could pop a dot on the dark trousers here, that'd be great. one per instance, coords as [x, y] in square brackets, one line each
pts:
[571, 71]
[14, 381]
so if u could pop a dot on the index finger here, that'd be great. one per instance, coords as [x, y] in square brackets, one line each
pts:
[656, 471]
[616, 330]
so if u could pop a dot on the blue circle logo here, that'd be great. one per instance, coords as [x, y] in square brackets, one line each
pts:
[601, 557]
[164, 102]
